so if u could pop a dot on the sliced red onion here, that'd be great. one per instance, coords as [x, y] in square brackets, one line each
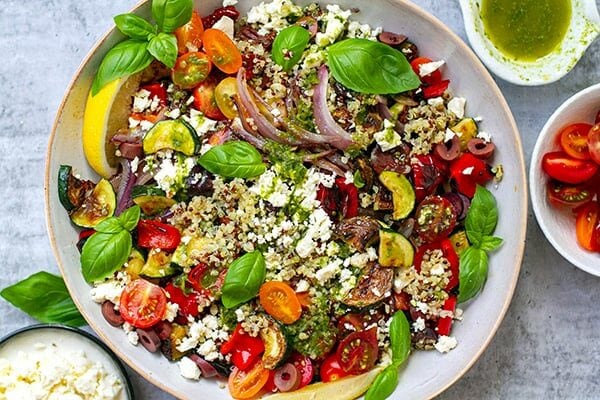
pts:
[131, 150]
[128, 137]
[265, 128]
[126, 184]
[144, 177]
[336, 135]
[315, 156]
[286, 377]
[456, 202]
[239, 130]
[208, 371]
[307, 136]
[329, 166]
[466, 205]
[267, 111]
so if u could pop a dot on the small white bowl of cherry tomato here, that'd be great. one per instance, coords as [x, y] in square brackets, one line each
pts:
[565, 180]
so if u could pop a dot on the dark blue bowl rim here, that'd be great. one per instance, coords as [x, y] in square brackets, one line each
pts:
[128, 386]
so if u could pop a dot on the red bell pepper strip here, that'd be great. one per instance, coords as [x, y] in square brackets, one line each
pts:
[428, 173]
[86, 233]
[188, 303]
[467, 172]
[444, 325]
[157, 235]
[195, 276]
[348, 197]
[449, 254]
[244, 349]
[156, 89]
[435, 90]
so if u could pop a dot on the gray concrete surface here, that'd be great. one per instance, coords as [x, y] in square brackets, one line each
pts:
[547, 346]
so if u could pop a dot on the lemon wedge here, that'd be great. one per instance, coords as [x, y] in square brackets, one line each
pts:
[348, 388]
[106, 113]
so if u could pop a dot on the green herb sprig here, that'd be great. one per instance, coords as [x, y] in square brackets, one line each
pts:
[243, 279]
[146, 41]
[366, 66]
[387, 380]
[289, 45]
[108, 249]
[236, 159]
[480, 225]
[45, 297]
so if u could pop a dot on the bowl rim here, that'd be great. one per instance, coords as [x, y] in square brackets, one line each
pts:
[93, 339]
[485, 75]
[535, 175]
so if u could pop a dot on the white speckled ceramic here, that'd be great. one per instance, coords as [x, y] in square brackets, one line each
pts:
[583, 30]
[426, 374]
[559, 224]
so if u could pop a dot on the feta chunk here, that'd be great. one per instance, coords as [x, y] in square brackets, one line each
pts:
[431, 67]
[387, 138]
[445, 344]
[189, 369]
[457, 106]
[226, 25]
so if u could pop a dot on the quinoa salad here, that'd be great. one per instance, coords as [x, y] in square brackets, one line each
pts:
[297, 197]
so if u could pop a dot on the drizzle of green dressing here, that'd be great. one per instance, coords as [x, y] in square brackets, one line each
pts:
[526, 29]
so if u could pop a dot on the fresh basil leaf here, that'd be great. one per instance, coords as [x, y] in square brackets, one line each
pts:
[366, 66]
[400, 338]
[103, 254]
[289, 45]
[124, 59]
[473, 273]
[490, 243]
[243, 279]
[45, 297]
[164, 48]
[482, 216]
[235, 159]
[358, 180]
[171, 14]
[134, 26]
[130, 218]
[384, 385]
[109, 225]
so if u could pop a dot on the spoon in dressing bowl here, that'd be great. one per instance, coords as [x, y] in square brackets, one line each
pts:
[522, 53]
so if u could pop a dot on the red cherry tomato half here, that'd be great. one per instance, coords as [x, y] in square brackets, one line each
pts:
[588, 225]
[593, 142]
[358, 352]
[331, 369]
[190, 69]
[143, 304]
[565, 195]
[574, 141]
[205, 101]
[189, 36]
[430, 79]
[435, 219]
[563, 168]
[305, 368]
[157, 235]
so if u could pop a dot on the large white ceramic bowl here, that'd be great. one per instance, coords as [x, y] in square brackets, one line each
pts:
[426, 373]
[559, 225]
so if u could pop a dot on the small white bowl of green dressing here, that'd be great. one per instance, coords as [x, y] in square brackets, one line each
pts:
[530, 42]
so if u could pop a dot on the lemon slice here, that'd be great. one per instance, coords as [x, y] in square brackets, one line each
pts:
[106, 113]
[348, 388]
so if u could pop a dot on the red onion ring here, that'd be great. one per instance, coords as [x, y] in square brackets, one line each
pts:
[126, 184]
[329, 166]
[239, 130]
[286, 377]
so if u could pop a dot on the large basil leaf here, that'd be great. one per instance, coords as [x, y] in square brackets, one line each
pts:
[134, 26]
[103, 254]
[366, 66]
[163, 47]
[473, 273]
[130, 218]
[124, 59]
[384, 385]
[482, 216]
[171, 14]
[235, 159]
[243, 279]
[289, 45]
[400, 338]
[44, 296]
[109, 225]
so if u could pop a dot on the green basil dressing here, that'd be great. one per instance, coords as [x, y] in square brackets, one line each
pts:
[526, 30]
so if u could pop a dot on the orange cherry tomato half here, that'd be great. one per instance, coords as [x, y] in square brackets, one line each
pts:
[331, 369]
[434, 77]
[588, 225]
[205, 101]
[189, 36]
[222, 51]
[143, 304]
[574, 140]
[246, 385]
[280, 301]
[593, 142]
[190, 69]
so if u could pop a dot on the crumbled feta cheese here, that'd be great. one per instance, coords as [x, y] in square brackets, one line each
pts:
[226, 25]
[302, 286]
[200, 123]
[445, 344]
[457, 106]
[171, 312]
[141, 101]
[387, 138]
[189, 369]
[329, 271]
[133, 337]
[335, 22]
[273, 15]
[429, 68]
[173, 114]
[468, 171]
[486, 137]
[227, 3]
[449, 135]
[436, 102]
[209, 350]
[419, 324]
